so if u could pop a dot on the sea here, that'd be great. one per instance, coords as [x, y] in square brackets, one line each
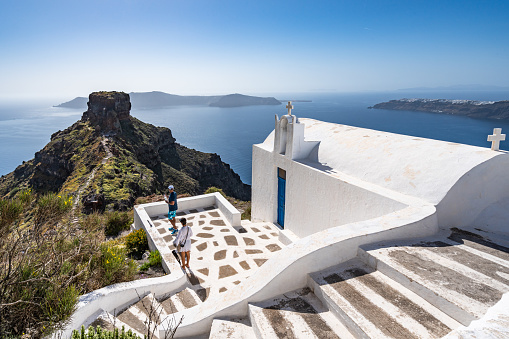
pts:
[27, 125]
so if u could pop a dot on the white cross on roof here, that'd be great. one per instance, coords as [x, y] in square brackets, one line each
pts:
[496, 138]
[289, 106]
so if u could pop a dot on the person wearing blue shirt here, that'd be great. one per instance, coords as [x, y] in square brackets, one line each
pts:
[171, 200]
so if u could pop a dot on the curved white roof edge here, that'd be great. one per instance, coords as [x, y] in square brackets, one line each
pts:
[415, 166]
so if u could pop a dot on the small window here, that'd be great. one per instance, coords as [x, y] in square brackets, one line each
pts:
[281, 173]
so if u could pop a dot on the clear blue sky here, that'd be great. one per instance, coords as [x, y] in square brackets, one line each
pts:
[71, 48]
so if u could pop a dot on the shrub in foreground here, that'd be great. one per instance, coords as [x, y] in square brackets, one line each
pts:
[154, 259]
[115, 264]
[99, 333]
[117, 222]
[136, 242]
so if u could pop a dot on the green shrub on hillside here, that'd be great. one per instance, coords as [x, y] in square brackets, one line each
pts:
[137, 242]
[246, 215]
[52, 206]
[214, 190]
[115, 264]
[10, 209]
[117, 222]
[99, 333]
[154, 259]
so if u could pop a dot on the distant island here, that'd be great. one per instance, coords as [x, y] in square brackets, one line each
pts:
[160, 99]
[475, 109]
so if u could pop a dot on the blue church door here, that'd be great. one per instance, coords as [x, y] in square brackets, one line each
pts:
[281, 188]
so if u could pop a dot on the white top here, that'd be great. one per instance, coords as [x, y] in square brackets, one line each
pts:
[184, 233]
[414, 166]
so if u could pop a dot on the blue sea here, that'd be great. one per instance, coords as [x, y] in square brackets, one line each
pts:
[26, 126]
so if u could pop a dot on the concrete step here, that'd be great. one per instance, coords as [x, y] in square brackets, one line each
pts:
[459, 279]
[180, 301]
[371, 305]
[297, 314]
[492, 244]
[109, 322]
[231, 329]
[144, 316]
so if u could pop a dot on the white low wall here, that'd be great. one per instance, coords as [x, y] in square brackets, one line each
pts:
[205, 200]
[143, 214]
[288, 269]
[115, 298]
[316, 198]
[479, 198]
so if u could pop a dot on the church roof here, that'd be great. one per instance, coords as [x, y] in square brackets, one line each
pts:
[414, 166]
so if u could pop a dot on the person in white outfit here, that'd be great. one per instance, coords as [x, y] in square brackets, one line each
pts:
[184, 235]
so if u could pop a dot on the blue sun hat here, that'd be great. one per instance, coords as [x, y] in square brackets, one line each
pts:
[170, 187]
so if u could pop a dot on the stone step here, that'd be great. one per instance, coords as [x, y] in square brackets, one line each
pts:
[371, 305]
[494, 245]
[109, 322]
[180, 301]
[144, 315]
[297, 314]
[461, 281]
[231, 329]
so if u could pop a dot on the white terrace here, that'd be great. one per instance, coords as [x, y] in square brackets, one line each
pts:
[385, 235]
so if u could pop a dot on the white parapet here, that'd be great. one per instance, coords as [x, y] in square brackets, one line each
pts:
[143, 214]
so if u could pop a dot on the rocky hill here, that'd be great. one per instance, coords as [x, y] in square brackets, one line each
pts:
[237, 100]
[474, 109]
[109, 158]
[157, 99]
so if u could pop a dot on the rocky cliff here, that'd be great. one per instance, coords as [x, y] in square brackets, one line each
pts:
[111, 158]
[474, 109]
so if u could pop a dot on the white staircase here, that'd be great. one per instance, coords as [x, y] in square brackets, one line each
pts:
[423, 288]
[144, 316]
[418, 289]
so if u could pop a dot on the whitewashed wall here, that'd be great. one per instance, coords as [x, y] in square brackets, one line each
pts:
[315, 200]
[480, 198]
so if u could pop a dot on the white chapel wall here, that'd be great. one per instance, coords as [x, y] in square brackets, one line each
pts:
[479, 199]
[315, 200]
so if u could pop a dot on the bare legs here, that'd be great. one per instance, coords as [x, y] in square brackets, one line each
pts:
[173, 223]
[183, 256]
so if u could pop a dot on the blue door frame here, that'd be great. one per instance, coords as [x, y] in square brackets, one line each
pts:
[281, 186]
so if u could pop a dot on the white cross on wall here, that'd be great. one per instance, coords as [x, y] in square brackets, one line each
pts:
[496, 138]
[289, 106]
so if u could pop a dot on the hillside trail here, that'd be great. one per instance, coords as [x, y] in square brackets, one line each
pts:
[91, 176]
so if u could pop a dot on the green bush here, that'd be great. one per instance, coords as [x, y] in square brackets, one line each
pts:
[10, 209]
[51, 206]
[115, 264]
[117, 222]
[246, 215]
[214, 190]
[26, 196]
[99, 333]
[92, 222]
[154, 259]
[137, 242]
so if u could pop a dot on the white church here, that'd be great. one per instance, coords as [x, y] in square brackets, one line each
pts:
[355, 233]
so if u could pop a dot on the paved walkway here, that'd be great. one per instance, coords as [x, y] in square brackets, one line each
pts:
[222, 256]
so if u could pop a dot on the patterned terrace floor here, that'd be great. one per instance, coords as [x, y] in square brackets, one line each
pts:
[222, 256]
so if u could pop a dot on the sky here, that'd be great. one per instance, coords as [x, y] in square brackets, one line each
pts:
[71, 48]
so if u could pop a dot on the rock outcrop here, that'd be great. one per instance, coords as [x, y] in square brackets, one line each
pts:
[107, 109]
[114, 156]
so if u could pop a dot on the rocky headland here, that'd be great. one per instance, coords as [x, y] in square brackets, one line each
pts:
[157, 99]
[113, 158]
[475, 109]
